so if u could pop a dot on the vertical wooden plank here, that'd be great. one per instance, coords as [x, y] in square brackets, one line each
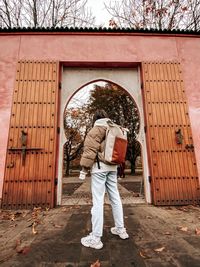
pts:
[157, 123]
[186, 188]
[40, 137]
[192, 182]
[54, 126]
[45, 137]
[171, 91]
[49, 136]
[37, 183]
[28, 114]
[20, 190]
[163, 133]
[170, 105]
[30, 162]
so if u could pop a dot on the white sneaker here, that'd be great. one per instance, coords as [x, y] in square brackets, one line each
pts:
[92, 241]
[121, 232]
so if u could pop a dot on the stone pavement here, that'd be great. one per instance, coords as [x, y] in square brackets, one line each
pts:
[82, 195]
[159, 236]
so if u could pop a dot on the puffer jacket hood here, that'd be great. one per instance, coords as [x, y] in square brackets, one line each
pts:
[102, 122]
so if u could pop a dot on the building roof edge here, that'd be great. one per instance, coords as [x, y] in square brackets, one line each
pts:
[97, 30]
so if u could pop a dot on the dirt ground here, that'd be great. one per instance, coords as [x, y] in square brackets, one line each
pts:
[159, 236]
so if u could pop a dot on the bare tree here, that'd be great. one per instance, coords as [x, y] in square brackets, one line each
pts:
[45, 13]
[156, 14]
[77, 122]
[6, 13]
[193, 20]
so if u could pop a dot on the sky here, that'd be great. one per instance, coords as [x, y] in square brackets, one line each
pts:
[99, 11]
[83, 95]
[102, 18]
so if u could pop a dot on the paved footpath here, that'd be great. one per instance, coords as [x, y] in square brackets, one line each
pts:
[159, 236]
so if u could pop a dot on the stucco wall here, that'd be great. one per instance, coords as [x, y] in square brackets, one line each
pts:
[98, 48]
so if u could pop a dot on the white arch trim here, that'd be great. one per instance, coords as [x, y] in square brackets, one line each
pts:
[129, 79]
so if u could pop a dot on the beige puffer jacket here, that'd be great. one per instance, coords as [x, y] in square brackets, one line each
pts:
[94, 142]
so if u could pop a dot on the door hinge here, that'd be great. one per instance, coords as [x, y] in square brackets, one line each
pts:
[60, 85]
[149, 177]
[142, 85]
[145, 128]
[56, 181]
[58, 130]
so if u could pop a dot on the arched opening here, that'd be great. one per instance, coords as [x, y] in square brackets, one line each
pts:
[77, 120]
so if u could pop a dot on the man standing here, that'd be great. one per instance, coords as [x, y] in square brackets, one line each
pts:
[103, 177]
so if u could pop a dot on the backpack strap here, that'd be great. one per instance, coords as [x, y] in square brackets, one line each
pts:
[111, 124]
[98, 163]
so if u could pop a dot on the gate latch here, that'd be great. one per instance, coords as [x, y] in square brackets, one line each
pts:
[23, 149]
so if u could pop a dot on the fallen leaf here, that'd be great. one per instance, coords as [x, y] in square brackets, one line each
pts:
[25, 214]
[183, 209]
[167, 233]
[183, 228]
[66, 208]
[6, 217]
[168, 208]
[18, 242]
[58, 226]
[13, 225]
[159, 249]
[197, 231]
[37, 209]
[18, 214]
[36, 212]
[23, 250]
[96, 264]
[12, 217]
[144, 255]
[33, 229]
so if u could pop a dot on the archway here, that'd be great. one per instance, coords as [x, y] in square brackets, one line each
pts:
[76, 79]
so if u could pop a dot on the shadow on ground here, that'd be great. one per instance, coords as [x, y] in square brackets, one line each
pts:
[159, 236]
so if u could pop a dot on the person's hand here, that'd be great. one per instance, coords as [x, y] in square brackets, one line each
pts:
[82, 175]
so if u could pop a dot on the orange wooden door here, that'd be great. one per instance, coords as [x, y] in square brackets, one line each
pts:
[29, 179]
[173, 170]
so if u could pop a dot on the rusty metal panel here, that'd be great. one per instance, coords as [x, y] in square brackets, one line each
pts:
[31, 153]
[174, 177]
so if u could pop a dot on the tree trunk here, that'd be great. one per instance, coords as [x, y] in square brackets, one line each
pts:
[133, 167]
[67, 167]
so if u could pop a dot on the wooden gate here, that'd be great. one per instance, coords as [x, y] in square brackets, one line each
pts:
[173, 170]
[29, 179]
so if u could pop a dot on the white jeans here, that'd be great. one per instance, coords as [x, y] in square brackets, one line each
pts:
[99, 183]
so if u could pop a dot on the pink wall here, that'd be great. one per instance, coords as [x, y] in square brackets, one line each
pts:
[109, 47]
[9, 47]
